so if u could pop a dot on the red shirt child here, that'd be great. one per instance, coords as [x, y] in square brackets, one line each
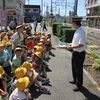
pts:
[30, 44]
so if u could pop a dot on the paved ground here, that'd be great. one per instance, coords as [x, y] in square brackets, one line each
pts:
[61, 89]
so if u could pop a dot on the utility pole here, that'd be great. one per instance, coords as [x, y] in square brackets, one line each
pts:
[42, 7]
[65, 9]
[4, 8]
[51, 12]
[75, 7]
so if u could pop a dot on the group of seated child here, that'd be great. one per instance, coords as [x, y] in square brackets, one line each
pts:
[15, 63]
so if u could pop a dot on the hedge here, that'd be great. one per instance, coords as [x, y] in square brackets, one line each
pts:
[67, 35]
[59, 29]
[54, 28]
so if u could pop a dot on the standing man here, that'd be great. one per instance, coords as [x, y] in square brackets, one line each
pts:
[78, 45]
[35, 24]
[13, 24]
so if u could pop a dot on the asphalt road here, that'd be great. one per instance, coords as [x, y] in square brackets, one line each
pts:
[60, 88]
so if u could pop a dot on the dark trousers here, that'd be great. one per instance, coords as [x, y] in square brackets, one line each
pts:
[44, 27]
[77, 67]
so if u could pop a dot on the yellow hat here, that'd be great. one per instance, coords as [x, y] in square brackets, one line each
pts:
[9, 32]
[33, 36]
[29, 37]
[27, 65]
[3, 33]
[20, 72]
[42, 33]
[24, 24]
[39, 32]
[43, 37]
[39, 49]
[24, 31]
[19, 26]
[48, 40]
[1, 70]
[18, 49]
[0, 75]
[40, 44]
[22, 83]
[38, 54]
[1, 44]
[5, 38]
[35, 33]
[36, 46]
[24, 46]
[41, 40]
[8, 43]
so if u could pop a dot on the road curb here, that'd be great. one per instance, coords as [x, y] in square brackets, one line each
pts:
[95, 84]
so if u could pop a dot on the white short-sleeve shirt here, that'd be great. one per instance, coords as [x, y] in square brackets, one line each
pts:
[17, 38]
[79, 38]
[17, 95]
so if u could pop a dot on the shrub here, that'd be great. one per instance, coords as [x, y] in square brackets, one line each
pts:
[54, 28]
[60, 28]
[67, 35]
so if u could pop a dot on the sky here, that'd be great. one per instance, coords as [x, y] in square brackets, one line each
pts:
[80, 12]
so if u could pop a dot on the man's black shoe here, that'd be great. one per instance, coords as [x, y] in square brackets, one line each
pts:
[76, 89]
[72, 81]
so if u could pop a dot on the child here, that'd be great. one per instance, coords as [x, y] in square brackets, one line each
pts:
[4, 59]
[3, 85]
[37, 63]
[19, 93]
[48, 45]
[25, 37]
[16, 61]
[30, 45]
[24, 54]
[48, 36]
[30, 70]
[19, 73]
[23, 72]
[34, 76]
[9, 49]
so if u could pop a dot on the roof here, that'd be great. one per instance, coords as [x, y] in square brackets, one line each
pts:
[31, 6]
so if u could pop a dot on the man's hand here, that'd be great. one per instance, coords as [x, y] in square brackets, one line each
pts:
[69, 47]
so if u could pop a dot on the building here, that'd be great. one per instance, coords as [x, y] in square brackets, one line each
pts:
[14, 9]
[31, 11]
[93, 12]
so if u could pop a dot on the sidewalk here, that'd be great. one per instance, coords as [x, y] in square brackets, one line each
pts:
[61, 89]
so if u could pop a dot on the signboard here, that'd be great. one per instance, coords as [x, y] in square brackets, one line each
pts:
[3, 18]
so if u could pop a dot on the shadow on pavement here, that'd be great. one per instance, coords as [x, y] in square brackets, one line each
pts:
[53, 48]
[47, 59]
[52, 54]
[35, 93]
[89, 95]
[47, 84]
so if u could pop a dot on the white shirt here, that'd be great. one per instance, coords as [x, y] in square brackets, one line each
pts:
[17, 38]
[79, 38]
[12, 24]
[17, 95]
